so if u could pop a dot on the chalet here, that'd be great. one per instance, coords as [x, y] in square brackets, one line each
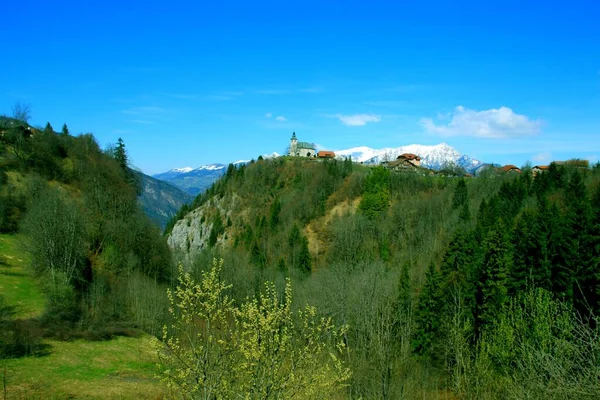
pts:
[410, 158]
[406, 162]
[326, 154]
[510, 169]
[538, 169]
[301, 149]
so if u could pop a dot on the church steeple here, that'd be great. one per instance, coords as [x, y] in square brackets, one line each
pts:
[293, 145]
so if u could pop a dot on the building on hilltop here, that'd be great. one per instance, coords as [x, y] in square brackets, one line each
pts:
[510, 169]
[326, 154]
[301, 149]
[410, 158]
[406, 162]
[538, 169]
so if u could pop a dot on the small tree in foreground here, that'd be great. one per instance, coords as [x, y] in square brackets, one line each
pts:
[259, 350]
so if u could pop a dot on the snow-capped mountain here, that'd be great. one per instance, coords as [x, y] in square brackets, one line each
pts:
[196, 180]
[182, 170]
[434, 157]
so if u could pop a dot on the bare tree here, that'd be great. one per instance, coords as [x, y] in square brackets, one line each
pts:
[21, 111]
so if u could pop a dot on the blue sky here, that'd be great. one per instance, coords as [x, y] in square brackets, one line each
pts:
[192, 83]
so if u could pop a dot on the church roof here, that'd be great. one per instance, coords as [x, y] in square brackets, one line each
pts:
[305, 145]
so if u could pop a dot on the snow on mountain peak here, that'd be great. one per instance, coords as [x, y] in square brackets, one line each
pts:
[434, 157]
[182, 170]
[211, 167]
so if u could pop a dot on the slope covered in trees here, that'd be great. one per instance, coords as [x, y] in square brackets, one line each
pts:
[444, 283]
[93, 249]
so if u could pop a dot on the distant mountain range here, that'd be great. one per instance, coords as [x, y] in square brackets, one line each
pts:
[161, 200]
[434, 157]
[196, 180]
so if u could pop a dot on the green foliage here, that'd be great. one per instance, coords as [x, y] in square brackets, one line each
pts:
[264, 349]
[461, 194]
[304, 257]
[493, 282]
[274, 218]
[537, 349]
[427, 322]
[217, 229]
[376, 197]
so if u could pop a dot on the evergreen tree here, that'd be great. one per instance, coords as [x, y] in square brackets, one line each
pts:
[257, 256]
[465, 212]
[304, 258]
[492, 286]
[427, 313]
[120, 154]
[461, 194]
[274, 214]
[459, 271]
[528, 253]
[556, 175]
[65, 130]
[48, 128]
[577, 228]
[592, 286]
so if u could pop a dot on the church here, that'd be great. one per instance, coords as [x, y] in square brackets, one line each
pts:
[301, 149]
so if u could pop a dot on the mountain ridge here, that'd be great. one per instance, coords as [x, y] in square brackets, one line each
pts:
[196, 180]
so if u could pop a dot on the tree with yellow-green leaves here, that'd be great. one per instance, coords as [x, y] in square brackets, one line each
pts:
[262, 349]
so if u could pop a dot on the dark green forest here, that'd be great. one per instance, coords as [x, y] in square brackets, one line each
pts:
[449, 287]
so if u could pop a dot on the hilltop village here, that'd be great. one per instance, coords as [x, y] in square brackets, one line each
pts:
[411, 163]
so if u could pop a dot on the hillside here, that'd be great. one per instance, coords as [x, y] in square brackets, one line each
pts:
[196, 180]
[407, 261]
[161, 200]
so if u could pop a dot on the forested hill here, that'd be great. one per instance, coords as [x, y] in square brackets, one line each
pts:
[480, 283]
[77, 206]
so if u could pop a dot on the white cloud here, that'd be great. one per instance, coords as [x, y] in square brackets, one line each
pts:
[493, 123]
[542, 158]
[280, 118]
[357, 119]
[268, 115]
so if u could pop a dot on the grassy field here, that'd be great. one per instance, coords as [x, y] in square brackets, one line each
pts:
[16, 283]
[122, 368]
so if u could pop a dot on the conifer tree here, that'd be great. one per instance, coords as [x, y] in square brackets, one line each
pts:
[577, 226]
[274, 214]
[304, 258]
[459, 270]
[593, 262]
[121, 154]
[461, 194]
[492, 290]
[48, 128]
[426, 316]
[528, 253]
[65, 130]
